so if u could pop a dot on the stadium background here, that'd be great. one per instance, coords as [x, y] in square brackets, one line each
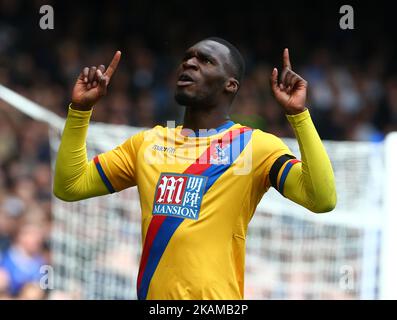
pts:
[351, 74]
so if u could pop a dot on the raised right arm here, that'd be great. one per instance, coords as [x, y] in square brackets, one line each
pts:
[76, 178]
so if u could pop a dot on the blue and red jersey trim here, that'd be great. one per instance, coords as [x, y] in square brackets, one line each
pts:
[290, 160]
[285, 174]
[162, 228]
[104, 178]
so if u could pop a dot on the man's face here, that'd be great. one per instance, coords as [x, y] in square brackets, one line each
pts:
[203, 74]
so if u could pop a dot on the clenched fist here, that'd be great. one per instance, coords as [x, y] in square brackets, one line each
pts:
[92, 84]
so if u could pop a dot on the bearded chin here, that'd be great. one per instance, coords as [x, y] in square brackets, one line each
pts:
[186, 100]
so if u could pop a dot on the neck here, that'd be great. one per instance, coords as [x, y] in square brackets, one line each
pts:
[196, 118]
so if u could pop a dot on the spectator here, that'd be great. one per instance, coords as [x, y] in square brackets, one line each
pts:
[353, 94]
[23, 259]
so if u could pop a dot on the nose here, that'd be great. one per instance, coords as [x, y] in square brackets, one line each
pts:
[190, 63]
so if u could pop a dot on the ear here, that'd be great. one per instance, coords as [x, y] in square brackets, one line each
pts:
[232, 86]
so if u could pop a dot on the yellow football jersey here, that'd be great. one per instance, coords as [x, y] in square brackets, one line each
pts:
[197, 196]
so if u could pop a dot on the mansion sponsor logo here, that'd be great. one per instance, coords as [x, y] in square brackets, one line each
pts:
[179, 195]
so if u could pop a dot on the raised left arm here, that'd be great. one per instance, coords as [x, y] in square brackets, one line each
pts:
[309, 182]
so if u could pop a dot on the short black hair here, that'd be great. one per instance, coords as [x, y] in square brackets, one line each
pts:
[236, 58]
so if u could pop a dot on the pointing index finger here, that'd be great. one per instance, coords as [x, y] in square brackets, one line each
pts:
[286, 62]
[113, 65]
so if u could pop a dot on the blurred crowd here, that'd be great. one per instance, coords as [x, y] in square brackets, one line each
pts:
[351, 73]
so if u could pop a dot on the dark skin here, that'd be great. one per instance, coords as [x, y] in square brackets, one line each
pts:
[206, 85]
[208, 97]
[92, 83]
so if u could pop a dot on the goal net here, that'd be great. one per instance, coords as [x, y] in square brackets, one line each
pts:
[291, 252]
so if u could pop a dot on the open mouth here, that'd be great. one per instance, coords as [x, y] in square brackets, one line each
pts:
[184, 80]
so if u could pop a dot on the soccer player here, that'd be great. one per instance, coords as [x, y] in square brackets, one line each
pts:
[198, 191]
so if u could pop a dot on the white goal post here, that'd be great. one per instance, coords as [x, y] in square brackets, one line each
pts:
[291, 253]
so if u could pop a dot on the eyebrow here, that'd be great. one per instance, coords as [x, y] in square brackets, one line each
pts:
[201, 54]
